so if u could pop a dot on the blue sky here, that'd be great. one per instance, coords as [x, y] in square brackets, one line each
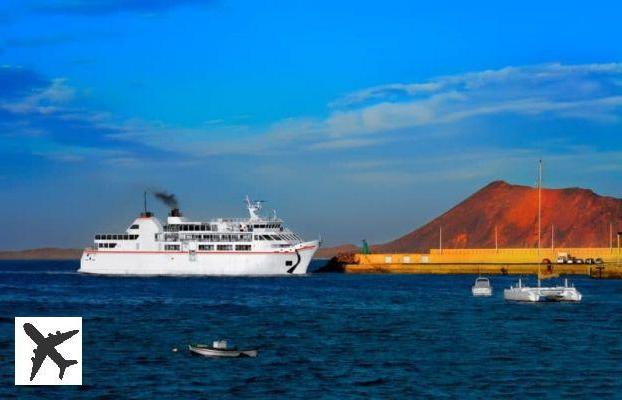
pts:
[354, 119]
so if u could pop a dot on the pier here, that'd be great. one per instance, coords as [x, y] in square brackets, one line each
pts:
[487, 261]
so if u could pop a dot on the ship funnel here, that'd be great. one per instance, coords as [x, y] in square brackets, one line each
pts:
[175, 213]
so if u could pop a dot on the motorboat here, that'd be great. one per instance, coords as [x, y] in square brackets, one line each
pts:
[481, 287]
[540, 293]
[219, 349]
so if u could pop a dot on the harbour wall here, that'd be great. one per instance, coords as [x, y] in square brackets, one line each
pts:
[486, 261]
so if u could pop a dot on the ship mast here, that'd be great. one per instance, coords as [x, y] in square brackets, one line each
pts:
[539, 204]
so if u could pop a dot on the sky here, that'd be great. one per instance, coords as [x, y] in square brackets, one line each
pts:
[352, 119]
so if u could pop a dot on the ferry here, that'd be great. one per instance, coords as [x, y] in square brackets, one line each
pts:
[256, 245]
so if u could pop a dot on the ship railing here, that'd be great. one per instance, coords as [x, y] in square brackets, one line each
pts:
[248, 220]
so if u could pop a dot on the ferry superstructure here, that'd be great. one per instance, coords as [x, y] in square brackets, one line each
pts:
[256, 245]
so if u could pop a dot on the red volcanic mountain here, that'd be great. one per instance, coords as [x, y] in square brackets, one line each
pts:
[579, 217]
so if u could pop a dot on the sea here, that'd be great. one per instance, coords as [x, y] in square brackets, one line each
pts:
[323, 335]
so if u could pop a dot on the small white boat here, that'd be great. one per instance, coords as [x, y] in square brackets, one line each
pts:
[542, 293]
[219, 349]
[481, 287]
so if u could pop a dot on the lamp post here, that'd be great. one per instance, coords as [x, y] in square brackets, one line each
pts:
[440, 239]
[619, 233]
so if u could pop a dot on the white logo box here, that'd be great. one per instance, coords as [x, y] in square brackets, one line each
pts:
[70, 349]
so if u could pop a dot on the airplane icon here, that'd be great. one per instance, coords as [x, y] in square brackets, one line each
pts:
[46, 347]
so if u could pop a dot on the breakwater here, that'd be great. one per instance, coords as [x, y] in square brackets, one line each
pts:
[487, 261]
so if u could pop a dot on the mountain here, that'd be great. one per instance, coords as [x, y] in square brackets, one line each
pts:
[579, 217]
[42, 254]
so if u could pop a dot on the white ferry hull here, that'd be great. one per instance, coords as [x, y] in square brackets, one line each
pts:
[294, 260]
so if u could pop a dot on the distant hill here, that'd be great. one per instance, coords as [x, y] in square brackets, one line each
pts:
[49, 253]
[579, 217]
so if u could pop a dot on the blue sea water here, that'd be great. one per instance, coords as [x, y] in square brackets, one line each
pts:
[320, 335]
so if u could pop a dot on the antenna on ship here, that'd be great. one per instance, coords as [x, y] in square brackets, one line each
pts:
[145, 213]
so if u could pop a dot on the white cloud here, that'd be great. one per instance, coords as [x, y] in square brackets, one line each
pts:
[587, 91]
[48, 100]
[371, 116]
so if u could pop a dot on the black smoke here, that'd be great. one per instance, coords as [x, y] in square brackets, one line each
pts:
[167, 198]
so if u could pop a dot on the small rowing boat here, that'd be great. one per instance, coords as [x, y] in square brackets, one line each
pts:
[219, 349]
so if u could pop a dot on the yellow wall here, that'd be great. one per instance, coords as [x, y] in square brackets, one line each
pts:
[479, 256]
[486, 269]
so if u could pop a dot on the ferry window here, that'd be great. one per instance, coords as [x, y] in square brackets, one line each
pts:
[257, 237]
[243, 247]
[288, 263]
[224, 247]
[171, 247]
[112, 245]
[206, 247]
[135, 226]
[266, 237]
